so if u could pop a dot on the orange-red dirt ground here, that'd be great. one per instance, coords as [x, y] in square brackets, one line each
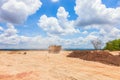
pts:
[40, 65]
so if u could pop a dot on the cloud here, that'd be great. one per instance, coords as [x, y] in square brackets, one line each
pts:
[59, 25]
[108, 35]
[94, 21]
[9, 36]
[1, 29]
[95, 13]
[17, 11]
[55, 1]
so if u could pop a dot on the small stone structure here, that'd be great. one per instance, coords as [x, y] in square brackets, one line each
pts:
[54, 49]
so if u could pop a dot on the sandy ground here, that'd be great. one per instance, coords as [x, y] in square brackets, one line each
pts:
[40, 65]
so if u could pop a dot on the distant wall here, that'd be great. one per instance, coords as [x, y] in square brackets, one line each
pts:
[54, 49]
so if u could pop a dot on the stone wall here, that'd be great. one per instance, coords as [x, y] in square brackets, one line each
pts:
[54, 49]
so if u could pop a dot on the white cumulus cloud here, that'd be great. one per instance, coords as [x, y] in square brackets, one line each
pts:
[94, 12]
[94, 20]
[55, 0]
[94, 15]
[9, 35]
[17, 11]
[59, 25]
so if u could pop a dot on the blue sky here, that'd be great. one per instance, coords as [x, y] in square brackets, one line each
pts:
[36, 24]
